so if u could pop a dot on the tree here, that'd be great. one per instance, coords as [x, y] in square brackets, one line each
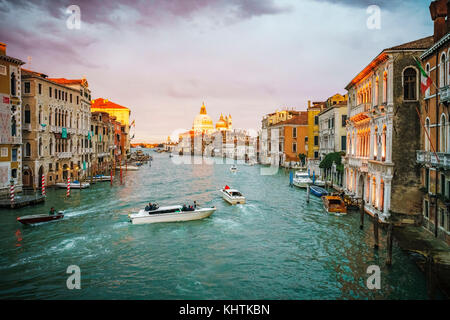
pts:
[302, 158]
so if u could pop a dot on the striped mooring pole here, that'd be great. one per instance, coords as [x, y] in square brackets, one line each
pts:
[68, 186]
[43, 185]
[11, 193]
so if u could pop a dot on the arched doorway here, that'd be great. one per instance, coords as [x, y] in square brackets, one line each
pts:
[65, 172]
[27, 178]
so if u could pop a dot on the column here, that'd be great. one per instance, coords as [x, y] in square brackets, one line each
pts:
[387, 197]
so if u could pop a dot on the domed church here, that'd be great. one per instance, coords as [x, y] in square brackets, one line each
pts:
[204, 124]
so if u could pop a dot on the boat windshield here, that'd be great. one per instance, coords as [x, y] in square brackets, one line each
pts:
[236, 194]
[334, 202]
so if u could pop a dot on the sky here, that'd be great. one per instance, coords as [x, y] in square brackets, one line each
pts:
[247, 58]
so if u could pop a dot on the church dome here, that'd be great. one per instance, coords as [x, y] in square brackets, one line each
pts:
[203, 122]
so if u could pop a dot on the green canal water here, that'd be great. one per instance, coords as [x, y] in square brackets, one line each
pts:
[274, 247]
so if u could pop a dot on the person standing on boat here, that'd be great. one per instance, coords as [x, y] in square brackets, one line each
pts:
[52, 211]
[148, 207]
[195, 204]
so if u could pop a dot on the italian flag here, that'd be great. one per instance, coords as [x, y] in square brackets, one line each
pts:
[425, 80]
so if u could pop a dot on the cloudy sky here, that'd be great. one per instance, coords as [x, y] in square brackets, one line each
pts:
[163, 58]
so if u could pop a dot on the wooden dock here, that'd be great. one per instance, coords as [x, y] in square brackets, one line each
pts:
[21, 200]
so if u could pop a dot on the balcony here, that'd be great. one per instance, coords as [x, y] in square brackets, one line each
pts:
[445, 94]
[16, 140]
[64, 155]
[361, 108]
[438, 159]
[27, 126]
[103, 154]
[361, 163]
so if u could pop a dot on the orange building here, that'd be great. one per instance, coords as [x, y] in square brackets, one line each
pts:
[292, 137]
[434, 156]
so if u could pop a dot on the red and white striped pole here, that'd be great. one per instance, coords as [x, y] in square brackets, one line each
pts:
[11, 193]
[68, 186]
[43, 185]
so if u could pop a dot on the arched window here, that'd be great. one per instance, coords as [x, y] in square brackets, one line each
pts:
[383, 145]
[442, 71]
[443, 134]
[375, 144]
[40, 147]
[376, 90]
[27, 150]
[27, 114]
[374, 193]
[409, 84]
[40, 115]
[13, 84]
[51, 147]
[385, 88]
[381, 199]
[13, 126]
[427, 134]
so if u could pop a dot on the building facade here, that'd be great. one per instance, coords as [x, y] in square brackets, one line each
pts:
[382, 137]
[10, 122]
[102, 140]
[269, 142]
[122, 116]
[313, 129]
[55, 131]
[434, 154]
[292, 135]
[332, 129]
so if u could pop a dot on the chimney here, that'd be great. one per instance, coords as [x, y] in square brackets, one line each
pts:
[309, 104]
[2, 49]
[438, 11]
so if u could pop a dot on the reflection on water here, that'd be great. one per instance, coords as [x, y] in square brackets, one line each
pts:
[274, 247]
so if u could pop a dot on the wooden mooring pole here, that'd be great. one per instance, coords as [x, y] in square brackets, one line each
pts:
[307, 193]
[361, 225]
[375, 231]
[389, 241]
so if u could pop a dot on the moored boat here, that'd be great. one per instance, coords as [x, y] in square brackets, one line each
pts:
[170, 214]
[232, 196]
[318, 191]
[334, 204]
[301, 179]
[40, 218]
[73, 185]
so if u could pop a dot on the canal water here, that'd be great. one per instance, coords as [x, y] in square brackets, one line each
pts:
[274, 247]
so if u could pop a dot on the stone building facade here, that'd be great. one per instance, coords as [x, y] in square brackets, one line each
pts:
[55, 131]
[332, 129]
[382, 133]
[434, 153]
[102, 128]
[10, 122]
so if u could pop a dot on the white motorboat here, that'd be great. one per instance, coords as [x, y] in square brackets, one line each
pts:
[232, 196]
[319, 183]
[170, 214]
[73, 185]
[301, 179]
[102, 178]
[233, 168]
[128, 168]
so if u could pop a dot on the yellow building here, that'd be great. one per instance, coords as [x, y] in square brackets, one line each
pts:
[336, 99]
[313, 128]
[121, 113]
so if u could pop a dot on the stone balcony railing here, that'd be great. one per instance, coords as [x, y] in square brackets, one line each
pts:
[16, 140]
[445, 94]
[359, 162]
[103, 154]
[438, 159]
[26, 126]
[361, 108]
[64, 155]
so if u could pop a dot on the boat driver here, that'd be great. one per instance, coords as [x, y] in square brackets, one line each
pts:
[149, 207]
[52, 211]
